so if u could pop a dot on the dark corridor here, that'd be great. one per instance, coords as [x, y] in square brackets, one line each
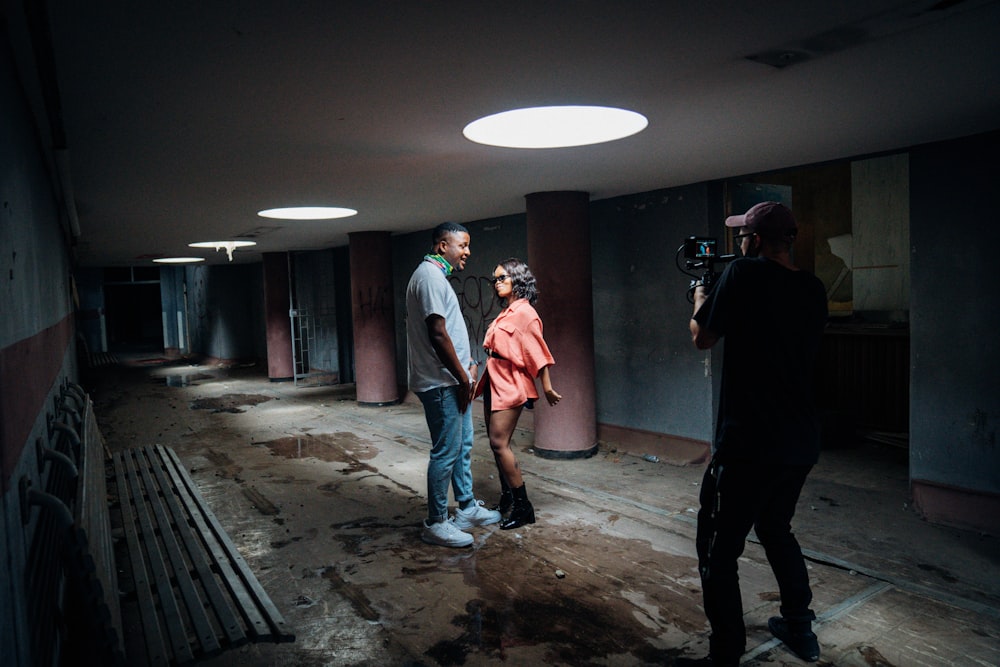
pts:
[133, 315]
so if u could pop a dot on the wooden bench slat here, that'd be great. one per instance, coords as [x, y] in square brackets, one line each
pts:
[228, 619]
[93, 532]
[159, 501]
[95, 472]
[136, 543]
[173, 521]
[130, 535]
[209, 531]
[45, 583]
[171, 608]
[261, 613]
[142, 578]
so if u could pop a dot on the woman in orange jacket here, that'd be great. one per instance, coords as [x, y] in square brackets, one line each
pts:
[516, 355]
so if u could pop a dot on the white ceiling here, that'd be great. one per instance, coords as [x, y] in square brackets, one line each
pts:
[182, 119]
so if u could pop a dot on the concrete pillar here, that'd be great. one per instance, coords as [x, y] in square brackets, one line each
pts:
[171, 303]
[558, 235]
[374, 318]
[277, 302]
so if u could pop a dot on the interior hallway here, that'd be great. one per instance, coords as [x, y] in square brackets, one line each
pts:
[324, 499]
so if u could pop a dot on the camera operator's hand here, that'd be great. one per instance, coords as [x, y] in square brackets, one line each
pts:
[702, 338]
[700, 294]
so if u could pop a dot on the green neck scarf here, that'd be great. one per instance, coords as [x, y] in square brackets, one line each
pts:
[441, 262]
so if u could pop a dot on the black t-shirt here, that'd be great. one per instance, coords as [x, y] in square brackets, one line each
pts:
[771, 319]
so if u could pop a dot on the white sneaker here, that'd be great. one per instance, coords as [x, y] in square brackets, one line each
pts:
[445, 534]
[476, 515]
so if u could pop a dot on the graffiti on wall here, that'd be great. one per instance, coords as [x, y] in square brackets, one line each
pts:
[373, 302]
[480, 306]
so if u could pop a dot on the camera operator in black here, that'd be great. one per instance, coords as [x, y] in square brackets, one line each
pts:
[772, 316]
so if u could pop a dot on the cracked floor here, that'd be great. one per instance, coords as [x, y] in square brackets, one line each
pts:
[324, 499]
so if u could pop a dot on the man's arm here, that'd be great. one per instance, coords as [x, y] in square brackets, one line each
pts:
[445, 350]
[702, 337]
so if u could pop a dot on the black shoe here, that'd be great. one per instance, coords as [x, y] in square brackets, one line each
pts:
[522, 513]
[803, 644]
[506, 501]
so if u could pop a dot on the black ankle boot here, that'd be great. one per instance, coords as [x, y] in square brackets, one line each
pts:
[506, 500]
[522, 512]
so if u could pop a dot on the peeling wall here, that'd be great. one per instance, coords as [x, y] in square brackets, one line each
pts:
[649, 375]
[37, 334]
[880, 248]
[955, 316]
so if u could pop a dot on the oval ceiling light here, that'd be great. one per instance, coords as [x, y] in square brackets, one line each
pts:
[307, 213]
[179, 260]
[228, 246]
[555, 127]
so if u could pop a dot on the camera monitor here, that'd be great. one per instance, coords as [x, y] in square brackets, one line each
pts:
[700, 247]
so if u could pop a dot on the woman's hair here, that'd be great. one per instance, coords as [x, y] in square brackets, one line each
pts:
[522, 280]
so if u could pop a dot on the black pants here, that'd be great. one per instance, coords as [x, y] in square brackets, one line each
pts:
[735, 496]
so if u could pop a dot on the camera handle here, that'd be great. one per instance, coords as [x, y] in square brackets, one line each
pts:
[686, 269]
[708, 275]
[707, 279]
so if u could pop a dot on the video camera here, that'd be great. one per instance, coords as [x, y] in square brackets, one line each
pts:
[701, 252]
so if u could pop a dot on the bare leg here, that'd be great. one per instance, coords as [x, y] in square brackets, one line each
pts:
[500, 426]
[487, 412]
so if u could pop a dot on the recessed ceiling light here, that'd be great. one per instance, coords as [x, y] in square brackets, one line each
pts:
[222, 244]
[555, 127]
[179, 260]
[308, 213]
[228, 246]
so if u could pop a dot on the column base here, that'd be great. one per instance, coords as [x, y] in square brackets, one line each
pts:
[378, 404]
[565, 453]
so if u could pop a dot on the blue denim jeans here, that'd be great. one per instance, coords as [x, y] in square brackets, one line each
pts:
[451, 450]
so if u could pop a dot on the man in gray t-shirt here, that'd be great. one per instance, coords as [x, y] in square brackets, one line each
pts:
[442, 373]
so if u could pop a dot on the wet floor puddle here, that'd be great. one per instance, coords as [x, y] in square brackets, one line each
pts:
[538, 595]
[186, 380]
[341, 447]
[229, 402]
[576, 621]
[574, 632]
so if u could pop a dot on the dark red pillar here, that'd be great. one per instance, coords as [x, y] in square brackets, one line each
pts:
[558, 235]
[374, 318]
[277, 302]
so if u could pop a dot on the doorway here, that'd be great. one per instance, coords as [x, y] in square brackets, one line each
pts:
[133, 313]
[854, 235]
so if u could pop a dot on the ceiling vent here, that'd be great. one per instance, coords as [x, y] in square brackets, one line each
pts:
[899, 19]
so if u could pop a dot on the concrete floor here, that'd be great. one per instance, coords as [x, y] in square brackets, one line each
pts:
[324, 499]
